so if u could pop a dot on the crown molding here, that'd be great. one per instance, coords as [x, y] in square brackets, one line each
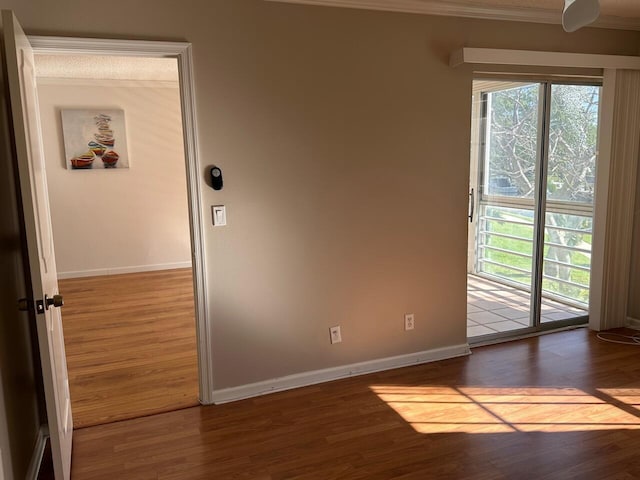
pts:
[485, 12]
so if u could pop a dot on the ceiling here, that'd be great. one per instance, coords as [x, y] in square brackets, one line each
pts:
[102, 67]
[622, 14]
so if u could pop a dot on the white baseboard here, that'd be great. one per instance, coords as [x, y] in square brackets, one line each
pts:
[633, 323]
[38, 452]
[325, 375]
[118, 270]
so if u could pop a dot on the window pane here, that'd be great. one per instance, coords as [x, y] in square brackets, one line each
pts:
[572, 143]
[511, 141]
[567, 256]
[505, 243]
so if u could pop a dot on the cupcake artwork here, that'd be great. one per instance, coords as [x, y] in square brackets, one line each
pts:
[94, 139]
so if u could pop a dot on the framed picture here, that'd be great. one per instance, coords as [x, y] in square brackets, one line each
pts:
[94, 139]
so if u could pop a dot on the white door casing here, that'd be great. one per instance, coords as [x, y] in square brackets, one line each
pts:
[20, 72]
[181, 51]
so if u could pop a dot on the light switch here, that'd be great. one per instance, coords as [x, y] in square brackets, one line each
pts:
[219, 215]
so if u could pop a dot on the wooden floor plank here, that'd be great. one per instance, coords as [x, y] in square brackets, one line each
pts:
[131, 345]
[561, 406]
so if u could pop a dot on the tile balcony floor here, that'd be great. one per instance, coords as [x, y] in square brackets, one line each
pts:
[493, 308]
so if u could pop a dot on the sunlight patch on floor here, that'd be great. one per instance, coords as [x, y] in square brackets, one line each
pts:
[628, 396]
[443, 409]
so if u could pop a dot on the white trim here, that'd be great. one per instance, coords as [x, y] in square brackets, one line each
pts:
[190, 132]
[182, 52]
[531, 58]
[484, 12]
[120, 270]
[474, 181]
[112, 82]
[328, 374]
[103, 46]
[38, 453]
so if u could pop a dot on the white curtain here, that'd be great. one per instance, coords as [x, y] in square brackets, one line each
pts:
[615, 194]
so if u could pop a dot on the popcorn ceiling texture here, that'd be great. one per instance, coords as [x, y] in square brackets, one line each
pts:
[107, 68]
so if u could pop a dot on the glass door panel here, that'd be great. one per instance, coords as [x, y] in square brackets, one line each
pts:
[512, 122]
[507, 116]
[571, 174]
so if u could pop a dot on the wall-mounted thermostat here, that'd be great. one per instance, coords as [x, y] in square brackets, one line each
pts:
[216, 178]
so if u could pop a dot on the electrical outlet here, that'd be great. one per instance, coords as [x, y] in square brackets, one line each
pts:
[335, 334]
[409, 321]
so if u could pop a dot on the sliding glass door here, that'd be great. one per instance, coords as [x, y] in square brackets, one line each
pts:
[571, 174]
[533, 162]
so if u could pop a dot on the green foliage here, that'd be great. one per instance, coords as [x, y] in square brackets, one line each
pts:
[513, 140]
[513, 119]
[510, 157]
[516, 253]
[572, 143]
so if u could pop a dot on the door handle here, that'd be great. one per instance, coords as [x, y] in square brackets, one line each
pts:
[472, 201]
[26, 304]
[55, 301]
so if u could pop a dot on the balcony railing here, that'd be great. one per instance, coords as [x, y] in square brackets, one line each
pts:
[505, 245]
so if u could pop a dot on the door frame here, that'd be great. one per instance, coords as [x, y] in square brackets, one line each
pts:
[182, 52]
[540, 202]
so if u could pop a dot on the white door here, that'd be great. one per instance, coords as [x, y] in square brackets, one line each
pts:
[20, 76]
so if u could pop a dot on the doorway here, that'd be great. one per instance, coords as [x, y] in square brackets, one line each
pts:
[121, 233]
[533, 166]
[180, 52]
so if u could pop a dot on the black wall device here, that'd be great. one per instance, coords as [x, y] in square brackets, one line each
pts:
[216, 178]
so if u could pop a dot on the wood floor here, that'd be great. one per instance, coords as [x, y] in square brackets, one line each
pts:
[560, 406]
[131, 345]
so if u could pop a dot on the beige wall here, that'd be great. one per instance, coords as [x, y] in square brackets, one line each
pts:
[344, 140]
[124, 220]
